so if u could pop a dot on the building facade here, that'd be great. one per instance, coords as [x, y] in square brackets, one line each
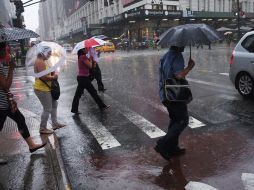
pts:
[7, 12]
[74, 20]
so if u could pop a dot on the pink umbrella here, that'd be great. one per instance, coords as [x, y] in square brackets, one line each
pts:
[88, 43]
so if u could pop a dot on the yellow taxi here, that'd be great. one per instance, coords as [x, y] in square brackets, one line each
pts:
[108, 47]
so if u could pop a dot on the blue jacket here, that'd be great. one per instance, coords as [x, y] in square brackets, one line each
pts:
[170, 64]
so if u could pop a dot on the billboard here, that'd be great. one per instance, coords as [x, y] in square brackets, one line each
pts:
[129, 2]
[71, 6]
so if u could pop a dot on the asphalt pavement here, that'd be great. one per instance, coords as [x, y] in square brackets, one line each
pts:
[44, 169]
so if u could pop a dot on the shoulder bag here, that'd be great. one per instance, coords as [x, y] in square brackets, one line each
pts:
[54, 89]
[177, 90]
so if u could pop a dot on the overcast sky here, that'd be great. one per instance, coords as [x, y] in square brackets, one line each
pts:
[31, 16]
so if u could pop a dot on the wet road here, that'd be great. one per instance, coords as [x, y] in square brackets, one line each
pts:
[114, 150]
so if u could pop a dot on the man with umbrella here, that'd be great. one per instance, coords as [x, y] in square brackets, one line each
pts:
[172, 65]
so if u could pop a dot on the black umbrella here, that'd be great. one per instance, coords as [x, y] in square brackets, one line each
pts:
[12, 33]
[188, 35]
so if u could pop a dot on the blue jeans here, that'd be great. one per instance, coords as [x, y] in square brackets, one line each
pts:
[179, 119]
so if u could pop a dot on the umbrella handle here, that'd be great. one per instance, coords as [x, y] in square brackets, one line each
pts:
[190, 51]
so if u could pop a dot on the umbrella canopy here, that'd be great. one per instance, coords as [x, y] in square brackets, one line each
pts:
[9, 34]
[88, 43]
[189, 34]
[57, 58]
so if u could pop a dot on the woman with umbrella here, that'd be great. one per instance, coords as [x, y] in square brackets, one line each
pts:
[42, 90]
[8, 107]
[84, 82]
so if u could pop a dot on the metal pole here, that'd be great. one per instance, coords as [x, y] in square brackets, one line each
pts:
[238, 20]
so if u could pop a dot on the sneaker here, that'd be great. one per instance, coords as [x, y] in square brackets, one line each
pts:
[58, 126]
[46, 131]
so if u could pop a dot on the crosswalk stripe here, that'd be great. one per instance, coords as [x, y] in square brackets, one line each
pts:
[193, 123]
[101, 134]
[225, 74]
[211, 84]
[193, 185]
[146, 126]
[248, 181]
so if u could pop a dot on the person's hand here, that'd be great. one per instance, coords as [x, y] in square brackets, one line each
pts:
[191, 64]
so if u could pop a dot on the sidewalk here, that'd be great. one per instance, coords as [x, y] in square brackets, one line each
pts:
[41, 170]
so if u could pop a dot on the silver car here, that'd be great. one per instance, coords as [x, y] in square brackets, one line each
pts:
[242, 65]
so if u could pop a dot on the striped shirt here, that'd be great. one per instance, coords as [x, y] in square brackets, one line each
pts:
[3, 95]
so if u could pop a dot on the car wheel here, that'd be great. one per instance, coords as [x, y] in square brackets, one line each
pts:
[245, 85]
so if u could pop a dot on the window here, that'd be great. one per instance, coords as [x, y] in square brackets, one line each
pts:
[157, 7]
[248, 43]
[171, 7]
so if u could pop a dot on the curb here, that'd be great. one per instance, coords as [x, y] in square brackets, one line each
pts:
[57, 164]
[55, 155]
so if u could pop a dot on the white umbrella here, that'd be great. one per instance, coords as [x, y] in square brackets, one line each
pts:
[92, 52]
[57, 58]
[88, 43]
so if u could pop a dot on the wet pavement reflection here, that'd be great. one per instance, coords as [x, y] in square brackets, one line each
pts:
[218, 153]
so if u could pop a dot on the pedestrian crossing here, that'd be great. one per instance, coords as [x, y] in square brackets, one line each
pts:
[103, 136]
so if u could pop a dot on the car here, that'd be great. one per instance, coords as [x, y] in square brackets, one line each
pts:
[241, 72]
[107, 47]
[67, 47]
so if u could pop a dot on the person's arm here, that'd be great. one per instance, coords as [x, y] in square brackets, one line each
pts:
[40, 66]
[87, 61]
[184, 72]
[5, 82]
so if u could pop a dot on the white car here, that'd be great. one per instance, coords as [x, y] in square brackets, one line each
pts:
[242, 65]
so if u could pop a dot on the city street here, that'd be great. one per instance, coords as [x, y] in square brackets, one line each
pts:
[114, 149]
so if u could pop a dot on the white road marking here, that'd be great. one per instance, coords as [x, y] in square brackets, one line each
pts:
[193, 123]
[211, 84]
[102, 135]
[146, 126]
[192, 185]
[225, 74]
[248, 181]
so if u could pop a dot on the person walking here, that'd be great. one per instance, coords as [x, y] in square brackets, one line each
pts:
[84, 82]
[96, 71]
[8, 108]
[42, 91]
[172, 64]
